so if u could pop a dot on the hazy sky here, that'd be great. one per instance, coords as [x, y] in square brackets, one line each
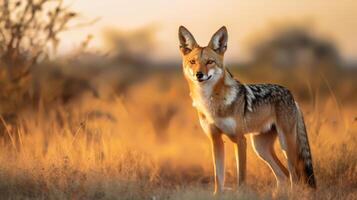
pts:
[332, 19]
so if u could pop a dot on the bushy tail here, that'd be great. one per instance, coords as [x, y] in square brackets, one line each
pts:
[304, 154]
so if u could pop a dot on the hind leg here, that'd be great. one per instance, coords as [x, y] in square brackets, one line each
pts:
[263, 146]
[288, 144]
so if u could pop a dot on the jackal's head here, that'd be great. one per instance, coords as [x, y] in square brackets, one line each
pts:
[203, 65]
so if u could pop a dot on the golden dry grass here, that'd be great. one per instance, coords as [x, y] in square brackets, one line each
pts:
[149, 145]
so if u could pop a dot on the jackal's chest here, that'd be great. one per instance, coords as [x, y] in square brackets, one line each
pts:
[209, 116]
[227, 125]
[204, 104]
[216, 111]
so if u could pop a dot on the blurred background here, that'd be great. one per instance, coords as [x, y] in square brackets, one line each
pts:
[110, 45]
[105, 75]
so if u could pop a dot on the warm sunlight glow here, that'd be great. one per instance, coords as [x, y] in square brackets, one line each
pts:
[333, 19]
[178, 100]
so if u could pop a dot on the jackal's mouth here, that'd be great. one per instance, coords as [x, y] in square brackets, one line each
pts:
[201, 80]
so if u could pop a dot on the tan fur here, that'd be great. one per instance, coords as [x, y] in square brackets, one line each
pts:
[225, 106]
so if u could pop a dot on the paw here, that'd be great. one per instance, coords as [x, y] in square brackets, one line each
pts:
[227, 189]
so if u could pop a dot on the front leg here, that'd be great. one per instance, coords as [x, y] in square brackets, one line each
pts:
[215, 136]
[240, 148]
[218, 159]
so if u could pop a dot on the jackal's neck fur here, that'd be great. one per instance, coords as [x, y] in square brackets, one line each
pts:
[216, 98]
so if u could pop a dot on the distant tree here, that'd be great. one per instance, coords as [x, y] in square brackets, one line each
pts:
[29, 34]
[29, 31]
[134, 46]
[130, 53]
[293, 46]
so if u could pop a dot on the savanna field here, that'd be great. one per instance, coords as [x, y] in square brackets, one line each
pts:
[114, 119]
[147, 144]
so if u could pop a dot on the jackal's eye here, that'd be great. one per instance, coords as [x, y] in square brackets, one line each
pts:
[209, 62]
[192, 62]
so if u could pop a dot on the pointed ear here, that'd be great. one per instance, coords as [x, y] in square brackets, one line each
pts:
[219, 41]
[187, 41]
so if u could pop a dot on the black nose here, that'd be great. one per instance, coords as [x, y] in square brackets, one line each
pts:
[199, 75]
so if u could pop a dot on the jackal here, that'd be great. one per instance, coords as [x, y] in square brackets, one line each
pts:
[227, 106]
